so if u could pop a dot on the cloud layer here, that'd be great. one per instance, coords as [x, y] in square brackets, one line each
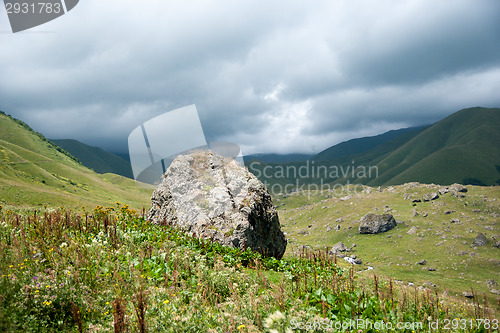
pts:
[275, 76]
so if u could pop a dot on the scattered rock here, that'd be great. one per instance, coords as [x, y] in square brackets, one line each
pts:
[430, 196]
[458, 188]
[491, 284]
[339, 247]
[449, 212]
[468, 294]
[329, 228]
[413, 231]
[443, 190]
[416, 200]
[213, 197]
[458, 194]
[339, 220]
[431, 269]
[454, 221]
[414, 213]
[480, 240]
[429, 284]
[374, 224]
[422, 262]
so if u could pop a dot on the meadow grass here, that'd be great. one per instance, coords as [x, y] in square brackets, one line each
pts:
[110, 270]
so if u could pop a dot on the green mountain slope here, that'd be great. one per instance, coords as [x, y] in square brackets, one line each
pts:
[35, 172]
[462, 147]
[95, 158]
[361, 145]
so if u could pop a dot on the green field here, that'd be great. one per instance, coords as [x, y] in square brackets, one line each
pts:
[459, 266]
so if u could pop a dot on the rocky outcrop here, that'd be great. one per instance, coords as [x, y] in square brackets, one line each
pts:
[214, 197]
[458, 188]
[480, 240]
[374, 224]
[430, 196]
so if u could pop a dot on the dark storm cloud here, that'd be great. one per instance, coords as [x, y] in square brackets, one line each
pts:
[279, 76]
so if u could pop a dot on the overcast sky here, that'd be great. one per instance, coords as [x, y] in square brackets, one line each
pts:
[272, 76]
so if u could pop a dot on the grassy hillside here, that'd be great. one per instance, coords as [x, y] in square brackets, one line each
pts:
[111, 271]
[34, 172]
[460, 147]
[445, 230]
[360, 145]
[96, 159]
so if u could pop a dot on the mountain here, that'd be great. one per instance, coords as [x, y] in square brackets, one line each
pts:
[96, 158]
[462, 148]
[361, 145]
[277, 158]
[36, 172]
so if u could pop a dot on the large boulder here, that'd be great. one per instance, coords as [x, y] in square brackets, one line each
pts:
[374, 223]
[214, 197]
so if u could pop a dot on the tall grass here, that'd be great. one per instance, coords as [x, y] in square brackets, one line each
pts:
[110, 270]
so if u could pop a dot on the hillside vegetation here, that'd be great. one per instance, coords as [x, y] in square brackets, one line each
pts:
[35, 172]
[95, 158]
[109, 270]
[442, 233]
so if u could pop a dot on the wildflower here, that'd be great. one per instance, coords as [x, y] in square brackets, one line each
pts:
[166, 301]
[35, 277]
[63, 245]
[241, 326]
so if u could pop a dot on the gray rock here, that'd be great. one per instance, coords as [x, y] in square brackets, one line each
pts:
[491, 284]
[468, 294]
[480, 240]
[430, 196]
[413, 231]
[458, 188]
[443, 190]
[213, 197]
[374, 223]
[458, 194]
[422, 262]
[337, 248]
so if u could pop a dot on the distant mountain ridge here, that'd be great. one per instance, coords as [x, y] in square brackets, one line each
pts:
[464, 148]
[361, 145]
[96, 158]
